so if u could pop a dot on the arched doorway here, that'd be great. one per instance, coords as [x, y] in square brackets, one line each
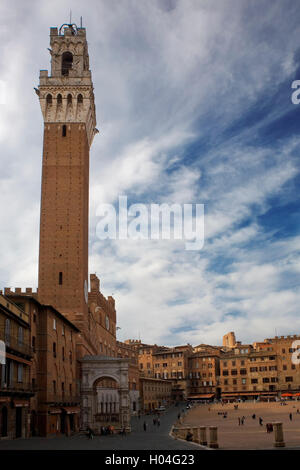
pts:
[106, 401]
[4, 421]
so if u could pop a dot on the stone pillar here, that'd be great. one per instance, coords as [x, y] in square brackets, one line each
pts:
[278, 434]
[203, 438]
[195, 432]
[213, 437]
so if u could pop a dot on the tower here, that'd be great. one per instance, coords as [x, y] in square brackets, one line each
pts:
[67, 104]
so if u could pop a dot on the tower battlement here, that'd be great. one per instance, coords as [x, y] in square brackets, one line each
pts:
[66, 96]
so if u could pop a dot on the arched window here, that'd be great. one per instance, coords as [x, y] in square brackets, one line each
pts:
[59, 99]
[64, 133]
[66, 63]
[69, 98]
[80, 98]
[49, 99]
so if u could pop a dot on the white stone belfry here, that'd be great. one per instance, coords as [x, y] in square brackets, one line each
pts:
[67, 95]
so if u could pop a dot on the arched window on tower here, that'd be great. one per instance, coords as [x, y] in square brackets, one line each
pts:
[80, 98]
[66, 63]
[49, 99]
[64, 132]
[59, 100]
[69, 98]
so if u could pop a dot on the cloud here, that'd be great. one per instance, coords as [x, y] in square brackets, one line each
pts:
[188, 95]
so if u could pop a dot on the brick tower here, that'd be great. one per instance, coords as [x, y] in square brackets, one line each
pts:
[67, 104]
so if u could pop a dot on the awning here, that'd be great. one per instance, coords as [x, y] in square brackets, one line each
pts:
[71, 409]
[20, 403]
[203, 395]
[55, 411]
[239, 394]
[287, 395]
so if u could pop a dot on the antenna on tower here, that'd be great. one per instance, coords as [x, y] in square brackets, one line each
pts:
[70, 16]
[81, 22]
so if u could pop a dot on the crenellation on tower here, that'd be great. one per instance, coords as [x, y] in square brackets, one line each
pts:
[67, 94]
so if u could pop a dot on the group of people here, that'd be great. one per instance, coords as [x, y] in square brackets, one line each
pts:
[104, 431]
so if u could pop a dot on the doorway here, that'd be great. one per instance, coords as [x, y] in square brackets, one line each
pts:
[4, 421]
[19, 422]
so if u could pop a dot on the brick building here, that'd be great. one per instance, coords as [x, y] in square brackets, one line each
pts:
[172, 364]
[15, 385]
[264, 370]
[204, 373]
[54, 408]
[155, 393]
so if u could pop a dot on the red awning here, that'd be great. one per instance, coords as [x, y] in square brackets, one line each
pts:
[20, 403]
[287, 395]
[71, 409]
[203, 395]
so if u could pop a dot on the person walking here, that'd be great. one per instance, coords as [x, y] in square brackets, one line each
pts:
[158, 422]
[145, 426]
[260, 421]
[291, 417]
[90, 433]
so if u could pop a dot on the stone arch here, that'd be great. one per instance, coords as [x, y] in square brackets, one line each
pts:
[106, 376]
[59, 99]
[66, 62]
[49, 99]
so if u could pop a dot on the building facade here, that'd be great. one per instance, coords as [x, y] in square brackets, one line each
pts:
[15, 386]
[55, 407]
[204, 373]
[155, 393]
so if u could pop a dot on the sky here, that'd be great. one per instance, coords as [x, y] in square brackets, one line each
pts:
[193, 103]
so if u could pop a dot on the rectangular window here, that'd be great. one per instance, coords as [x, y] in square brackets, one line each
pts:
[54, 324]
[20, 335]
[20, 373]
[60, 278]
[54, 349]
